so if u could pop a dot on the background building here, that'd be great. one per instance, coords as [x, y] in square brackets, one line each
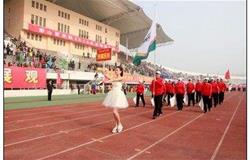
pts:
[45, 25]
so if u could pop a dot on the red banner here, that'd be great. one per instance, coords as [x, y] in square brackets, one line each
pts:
[227, 74]
[103, 54]
[68, 37]
[18, 77]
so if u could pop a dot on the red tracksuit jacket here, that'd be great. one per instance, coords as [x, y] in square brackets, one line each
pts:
[222, 86]
[206, 89]
[198, 86]
[180, 88]
[157, 87]
[215, 87]
[140, 89]
[190, 87]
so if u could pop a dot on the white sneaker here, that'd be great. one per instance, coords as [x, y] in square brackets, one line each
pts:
[114, 130]
[119, 128]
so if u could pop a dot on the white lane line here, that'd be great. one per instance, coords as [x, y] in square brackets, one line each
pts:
[50, 124]
[52, 116]
[165, 137]
[225, 132]
[105, 137]
[73, 109]
[70, 130]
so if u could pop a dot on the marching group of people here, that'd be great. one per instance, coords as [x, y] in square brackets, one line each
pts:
[210, 91]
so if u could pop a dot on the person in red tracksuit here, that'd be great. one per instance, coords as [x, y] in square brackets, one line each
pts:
[206, 93]
[190, 92]
[222, 87]
[198, 91]
[157, 88]
[140, 93]
[170, 91]
[180, 91]
[215, 92]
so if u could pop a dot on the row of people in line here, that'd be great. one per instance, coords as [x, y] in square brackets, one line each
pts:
[210, 90]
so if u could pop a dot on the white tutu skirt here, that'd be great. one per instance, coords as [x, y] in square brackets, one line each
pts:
[115, 99]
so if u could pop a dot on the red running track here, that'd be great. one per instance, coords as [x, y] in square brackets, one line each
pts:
[189, 134]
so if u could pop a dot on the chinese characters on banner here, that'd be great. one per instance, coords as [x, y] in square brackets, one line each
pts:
[103, 54]
[18, 77]
[68, 37]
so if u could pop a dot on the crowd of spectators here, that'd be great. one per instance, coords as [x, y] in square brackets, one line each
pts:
[17, 53]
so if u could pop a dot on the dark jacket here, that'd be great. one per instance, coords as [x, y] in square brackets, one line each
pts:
[50, 87]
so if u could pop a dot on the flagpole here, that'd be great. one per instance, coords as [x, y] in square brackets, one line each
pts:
[155, 51]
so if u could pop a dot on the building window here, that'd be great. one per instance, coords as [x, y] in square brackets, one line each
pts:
[44, 22]
[45, 8]
[33, 4]
[58, 26]
[65, 28]
[28, 35]
[32, 19]
[99, 28]
[61, 27]
[40, 38]
[54, 41]
[41, 6]
[36, 22]
[62, 14]
[59, 13]
[106, 30]
[40, 21]
[37, 5]
[36, 37]
[68, 16]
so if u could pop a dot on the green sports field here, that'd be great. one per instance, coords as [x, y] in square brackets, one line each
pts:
[40, 101]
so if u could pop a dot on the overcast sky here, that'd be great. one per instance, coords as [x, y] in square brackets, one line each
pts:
[209, 36]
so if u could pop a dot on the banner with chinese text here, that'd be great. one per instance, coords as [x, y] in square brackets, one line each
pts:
[18, 77]
[103, 54]
[69, 37]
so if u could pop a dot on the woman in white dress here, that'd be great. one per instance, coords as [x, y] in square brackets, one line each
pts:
[116, 98]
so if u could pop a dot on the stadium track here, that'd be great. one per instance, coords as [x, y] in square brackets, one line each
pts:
[83, 131]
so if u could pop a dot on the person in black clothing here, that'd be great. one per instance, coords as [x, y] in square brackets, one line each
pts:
[50, 87]
[78, 88]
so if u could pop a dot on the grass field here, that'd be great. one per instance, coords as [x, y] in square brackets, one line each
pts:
[39, 101]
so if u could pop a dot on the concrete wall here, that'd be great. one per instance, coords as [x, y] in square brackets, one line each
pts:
[13, 16]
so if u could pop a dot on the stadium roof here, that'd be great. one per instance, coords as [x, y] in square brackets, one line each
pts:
[124, 15]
